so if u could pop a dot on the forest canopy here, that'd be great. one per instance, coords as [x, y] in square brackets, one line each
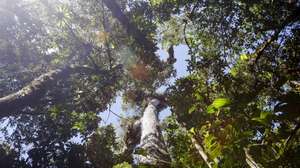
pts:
[63, 63]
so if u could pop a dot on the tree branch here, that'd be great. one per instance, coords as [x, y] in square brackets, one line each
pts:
[291, 19]
[32, 94]
[201, 151]
[130, 27]
[199, 147]
[140, 37]
[292, 135]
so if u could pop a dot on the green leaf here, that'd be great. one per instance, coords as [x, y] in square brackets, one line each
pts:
[192, 131]
[192, 109]
[220, 102]
[156, 2]
[123, 165]
[244, 57]
[233, 71]
[78, 126]
[217, 105]
[216, 151]
[211, 109]
[141, 151]
[263, 118]
[264, 114]
[259, 120]
[198, 97]
[54, 112]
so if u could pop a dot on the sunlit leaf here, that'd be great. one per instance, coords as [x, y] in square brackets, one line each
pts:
[233, 72]
[211, 109]
[221, 102]
[156, 2]
[244, 57]
[264, 114]
[192, 109]
[263, 118]
[192, 130]
[123, 165]
[217, 104]
[78, 126]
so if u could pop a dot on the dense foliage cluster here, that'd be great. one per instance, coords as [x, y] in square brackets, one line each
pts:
[239, 105]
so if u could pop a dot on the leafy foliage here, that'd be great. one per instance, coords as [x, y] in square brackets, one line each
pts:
[237, 81]
[240, 100]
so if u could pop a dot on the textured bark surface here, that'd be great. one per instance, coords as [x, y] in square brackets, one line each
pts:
[130, 27]
[132, 139]
[148, 45]
[32, 94]
[152, 149]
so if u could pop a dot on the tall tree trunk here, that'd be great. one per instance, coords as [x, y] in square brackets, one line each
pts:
[152, 149]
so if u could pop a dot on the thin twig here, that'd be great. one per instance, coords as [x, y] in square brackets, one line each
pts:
[108, 114]
[199, 148]
[118, 115]
[292, 135]
[184, 34]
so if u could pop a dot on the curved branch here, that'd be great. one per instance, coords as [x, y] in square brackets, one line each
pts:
[32, 94]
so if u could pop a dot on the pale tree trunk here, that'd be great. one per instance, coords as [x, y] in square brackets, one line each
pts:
[152, 149]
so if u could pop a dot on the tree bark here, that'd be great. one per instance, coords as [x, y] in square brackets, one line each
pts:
[148, 46]
[130, 27]
[32, 94]
[152, 149]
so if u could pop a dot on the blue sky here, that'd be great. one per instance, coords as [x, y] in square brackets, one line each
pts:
[181, 54]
